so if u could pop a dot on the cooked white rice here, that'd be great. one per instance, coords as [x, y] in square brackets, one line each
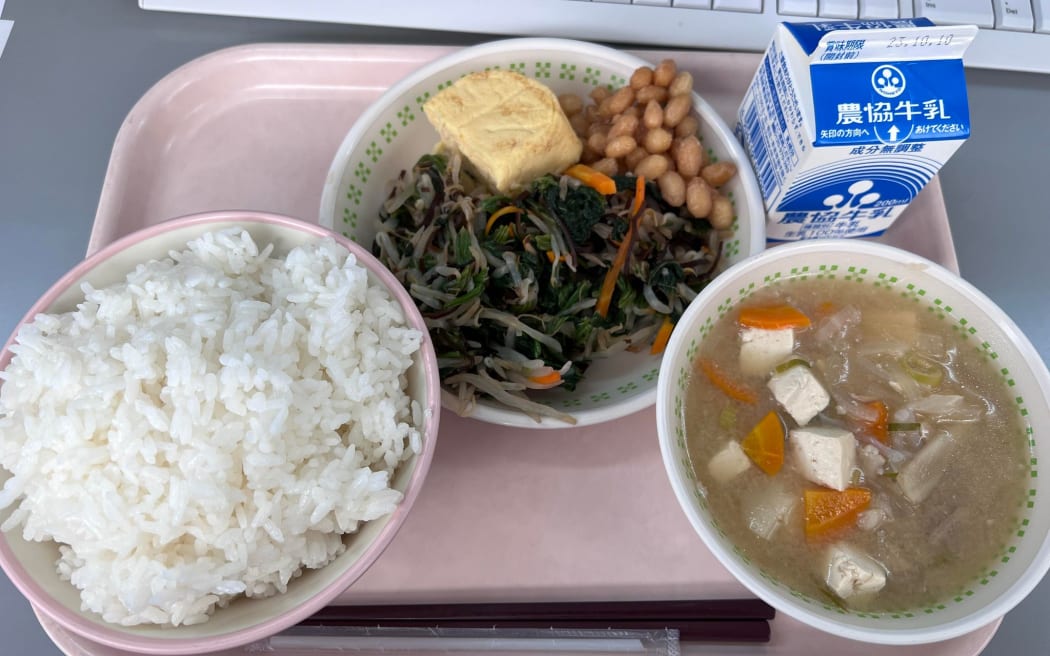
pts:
[209, 427]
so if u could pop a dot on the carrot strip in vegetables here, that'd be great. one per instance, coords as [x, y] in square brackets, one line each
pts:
[596, 180]
[609, 284]
[639, 195]
[765, 444]
[563, 257]
[730, 388]
[662, 336]
[828, 512]
[547, 379]
[611, 276]
[773, 317]
[495, 216]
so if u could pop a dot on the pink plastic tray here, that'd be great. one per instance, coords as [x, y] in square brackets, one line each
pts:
[506, 514]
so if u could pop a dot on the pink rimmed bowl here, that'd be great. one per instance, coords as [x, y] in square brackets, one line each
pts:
[31, 565]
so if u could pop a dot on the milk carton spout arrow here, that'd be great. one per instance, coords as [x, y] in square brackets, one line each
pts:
[893, 132]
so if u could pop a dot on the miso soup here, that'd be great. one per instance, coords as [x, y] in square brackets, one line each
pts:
[854, 445]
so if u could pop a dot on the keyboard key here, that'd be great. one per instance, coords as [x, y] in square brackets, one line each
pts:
[1013, 15]
[693, 4]
[875, 9]
[655, 3]
[837, 8]
[753, 6]
[1041, 9]
[797, 7]
[978, 12]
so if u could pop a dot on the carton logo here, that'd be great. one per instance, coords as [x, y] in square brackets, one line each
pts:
[888, 81]
[858, 196]
[868, 183]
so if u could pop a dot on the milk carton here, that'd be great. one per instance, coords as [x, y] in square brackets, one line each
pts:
[846, 121]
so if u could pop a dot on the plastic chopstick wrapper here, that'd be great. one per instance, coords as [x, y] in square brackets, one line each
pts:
[307, 641]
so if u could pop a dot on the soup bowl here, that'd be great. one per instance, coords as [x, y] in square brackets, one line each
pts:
[984, 331]
[31, 565]
[392, 135]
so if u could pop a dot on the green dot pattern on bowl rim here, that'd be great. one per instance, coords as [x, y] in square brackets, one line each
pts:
[400, 134]
[977, 347]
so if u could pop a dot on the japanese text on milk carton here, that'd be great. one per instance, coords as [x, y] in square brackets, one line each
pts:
[846, 121]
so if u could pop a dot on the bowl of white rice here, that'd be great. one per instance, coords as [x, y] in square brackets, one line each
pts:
[208, 430]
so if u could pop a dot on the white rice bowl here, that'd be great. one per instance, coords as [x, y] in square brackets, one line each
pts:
[210, 427]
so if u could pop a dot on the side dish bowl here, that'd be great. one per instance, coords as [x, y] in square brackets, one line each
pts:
[394, 133]
[986, 333]
[31, 565]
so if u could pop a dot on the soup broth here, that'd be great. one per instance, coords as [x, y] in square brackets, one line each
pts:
[916, 421]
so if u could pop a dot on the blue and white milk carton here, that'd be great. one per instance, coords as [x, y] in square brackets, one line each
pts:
[846, 121]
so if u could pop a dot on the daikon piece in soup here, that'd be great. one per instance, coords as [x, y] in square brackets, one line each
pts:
[853, 445]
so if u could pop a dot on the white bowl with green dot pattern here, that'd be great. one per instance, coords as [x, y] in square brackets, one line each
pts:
[393, 133]
[989, 333]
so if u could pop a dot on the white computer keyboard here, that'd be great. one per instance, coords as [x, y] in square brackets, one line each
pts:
[1014, 35]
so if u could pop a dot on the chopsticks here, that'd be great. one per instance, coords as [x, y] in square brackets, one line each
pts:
[709, 620]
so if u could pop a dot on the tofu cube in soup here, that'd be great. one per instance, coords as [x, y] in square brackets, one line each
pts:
[824, 455]
[799, 392]
[851, 572]
[761, 349]
[728, 463]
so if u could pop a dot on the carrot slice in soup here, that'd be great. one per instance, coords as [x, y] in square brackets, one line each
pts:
[876, 422]
[826, 309]
[880, 428]
[765, 444]
[774, 317]
[731, 388]
[829, 511]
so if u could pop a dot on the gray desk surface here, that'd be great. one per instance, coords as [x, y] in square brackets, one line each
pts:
[72, 70]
